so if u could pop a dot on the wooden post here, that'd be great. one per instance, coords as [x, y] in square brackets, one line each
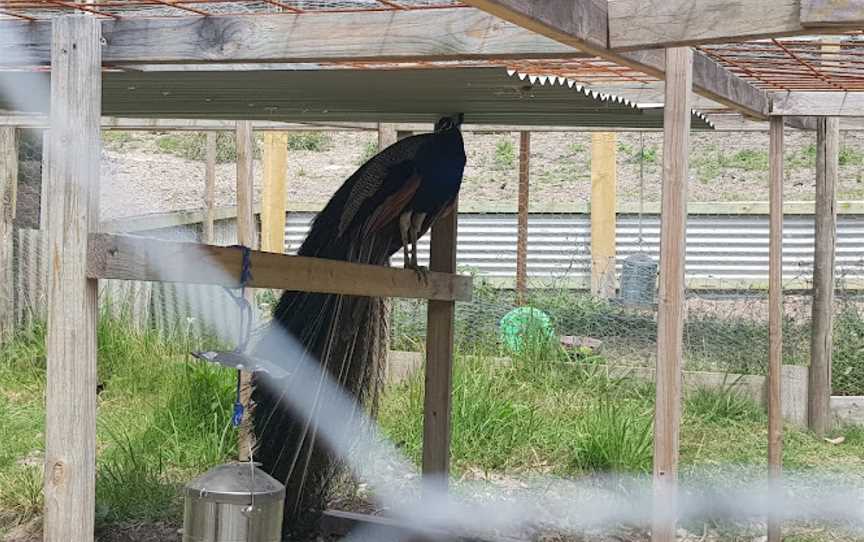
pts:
[73, 198]
[439, 359]
[775, 311]
[8, 198]
[522, 228]
[604, 180]
[246, 236]
[670, 317]
[273, 205]
[209, 190]
[387, 135]
[827, 157]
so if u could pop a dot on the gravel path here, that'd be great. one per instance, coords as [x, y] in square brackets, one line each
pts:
[138, 179]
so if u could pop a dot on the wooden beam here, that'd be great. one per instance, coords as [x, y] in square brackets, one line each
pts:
[207, 235]
[150, 260]
[405, 35]
[670, 315]
[818, 104]
[827, 164]
[775, 312]
[645, 24]
[846, 14]
[440, 329]
[73, 199]
[193, 125]
[604, 186]
[522, 217]
[274, 202]
[582, 24]
[8, 201]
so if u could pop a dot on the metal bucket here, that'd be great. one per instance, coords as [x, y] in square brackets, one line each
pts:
[237, 502]
[638, 281]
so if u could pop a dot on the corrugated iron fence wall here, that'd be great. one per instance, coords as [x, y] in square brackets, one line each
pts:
[723, 252]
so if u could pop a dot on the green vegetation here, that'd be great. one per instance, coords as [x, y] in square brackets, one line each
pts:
[573, 419]
[193, 146]
[369, 150]
[163, 419]
[710, 164]
[308, 141]
[505, 154]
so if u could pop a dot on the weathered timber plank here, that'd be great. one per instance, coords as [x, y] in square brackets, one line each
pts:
[818, 104]
[825, 13]
[274, 204]
[440, 330]
[604, 189]
[522, 217]
[640, 24]
[582, 24]
[73, 199]
[827, 162]
[447, 34]
[8, 191]
[775, 311]
[209, 189]
[137, 258]
[670, 315]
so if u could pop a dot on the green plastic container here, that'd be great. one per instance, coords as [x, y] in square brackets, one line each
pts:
[524, 325]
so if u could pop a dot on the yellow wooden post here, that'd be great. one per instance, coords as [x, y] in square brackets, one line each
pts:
[273, 206]
[604, 181]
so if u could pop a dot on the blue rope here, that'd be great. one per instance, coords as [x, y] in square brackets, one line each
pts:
[245, 324]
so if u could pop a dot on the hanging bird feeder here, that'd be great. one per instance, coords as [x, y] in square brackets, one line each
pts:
[236, 502]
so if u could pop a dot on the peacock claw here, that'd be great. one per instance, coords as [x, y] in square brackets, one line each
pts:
[422, 273]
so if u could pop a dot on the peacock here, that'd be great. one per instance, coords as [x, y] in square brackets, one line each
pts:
[389, 203]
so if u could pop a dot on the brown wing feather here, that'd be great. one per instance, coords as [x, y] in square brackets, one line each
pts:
[392, 207]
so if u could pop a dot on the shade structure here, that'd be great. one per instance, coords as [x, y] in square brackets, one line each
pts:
[310, 94]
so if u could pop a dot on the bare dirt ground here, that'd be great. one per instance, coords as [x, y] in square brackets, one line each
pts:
[137, 179]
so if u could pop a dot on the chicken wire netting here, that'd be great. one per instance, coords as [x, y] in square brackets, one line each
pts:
[726, 326]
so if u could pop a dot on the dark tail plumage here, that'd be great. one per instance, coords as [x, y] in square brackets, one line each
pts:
[420, 176]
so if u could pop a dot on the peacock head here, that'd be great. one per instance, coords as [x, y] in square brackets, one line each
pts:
[449, 123]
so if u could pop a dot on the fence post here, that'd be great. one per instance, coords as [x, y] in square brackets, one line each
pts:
[246, 236]
[670, 316]
[522, 218]
[73, 199]
[603, 191]
[827, 162]
[8, 198]
[775, 312]
[273, 204]
[209, 190]
[439, 359]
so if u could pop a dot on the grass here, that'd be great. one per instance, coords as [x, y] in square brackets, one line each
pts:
[163, 419]
[369, 150]
[574, 420]
[505, 154]
[308, 141]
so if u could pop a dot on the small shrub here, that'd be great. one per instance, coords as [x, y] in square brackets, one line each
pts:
[193, 146]
[369, 150]
[114, 139]
[749, 160]
[850, 156]
[613, 437]
[723, 405]
[505, 154]
[577, 148]
[847, 371]
[647, 156]
[308, 141]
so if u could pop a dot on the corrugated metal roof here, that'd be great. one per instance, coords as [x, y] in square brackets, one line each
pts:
[485, 95]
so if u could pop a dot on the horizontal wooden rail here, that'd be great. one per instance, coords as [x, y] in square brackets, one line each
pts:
[137, 258]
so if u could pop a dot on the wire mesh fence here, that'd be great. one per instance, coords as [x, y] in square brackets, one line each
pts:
[726, 326]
